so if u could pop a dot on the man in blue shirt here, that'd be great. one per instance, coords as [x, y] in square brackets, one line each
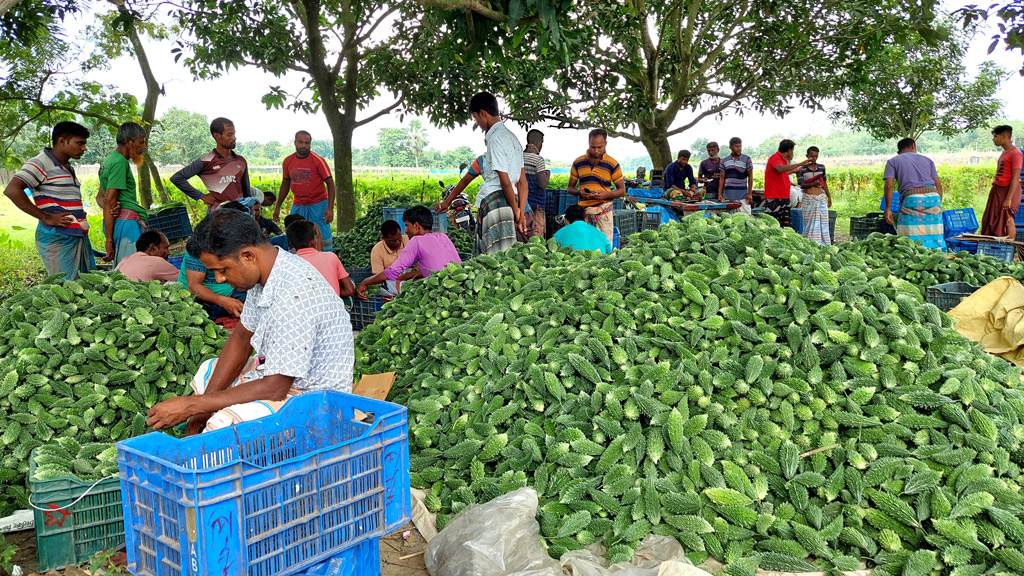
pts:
[677, 174]
[579, 235]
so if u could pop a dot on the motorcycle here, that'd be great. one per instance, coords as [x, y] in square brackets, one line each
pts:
[461, 209]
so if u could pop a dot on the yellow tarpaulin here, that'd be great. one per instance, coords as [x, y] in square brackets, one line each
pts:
[994, 317]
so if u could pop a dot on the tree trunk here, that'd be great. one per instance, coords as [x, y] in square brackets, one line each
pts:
[6, 5]
[154, 172]
[345, 200]
[656, 142]
[152, 95]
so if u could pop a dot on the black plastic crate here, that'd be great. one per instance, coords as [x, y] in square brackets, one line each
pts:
[363, 312]
[650, 220]
[946, 296]
[862, 226]
[627, 222]
[174, 223]
[553, 223]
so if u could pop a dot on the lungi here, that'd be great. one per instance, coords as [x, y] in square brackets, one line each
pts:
[602, 216]
[239, 412]
[921, 217]
[126, 233]
[496, 226]
[778, 208]
[64, 254]
[315, 214]
[536, 222]
[816, 224]
[993, 223]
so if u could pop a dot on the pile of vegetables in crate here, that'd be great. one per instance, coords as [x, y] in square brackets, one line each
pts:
[721, 381]
[924, 267]
[355, 245]
[81, 362]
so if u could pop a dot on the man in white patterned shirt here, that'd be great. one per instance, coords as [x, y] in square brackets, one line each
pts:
[292, 319]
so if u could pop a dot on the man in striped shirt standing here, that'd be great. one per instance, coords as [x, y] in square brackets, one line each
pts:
[596, 178]
[62, 235]
[737, 185]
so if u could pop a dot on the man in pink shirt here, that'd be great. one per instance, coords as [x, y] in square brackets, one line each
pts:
[305, 237]
[430, 251]
[149, 262]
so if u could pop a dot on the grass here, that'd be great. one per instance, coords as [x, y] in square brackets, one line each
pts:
[20, 265]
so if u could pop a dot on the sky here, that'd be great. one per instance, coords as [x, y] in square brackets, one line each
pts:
[238, 98]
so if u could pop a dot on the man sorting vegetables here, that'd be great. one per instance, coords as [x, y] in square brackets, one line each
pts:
[294, 335]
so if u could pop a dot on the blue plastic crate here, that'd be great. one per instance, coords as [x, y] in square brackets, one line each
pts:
[953, 246]
[1004, 252]
[363, 559]
[364, 312]
[176, 261]
[271, 497]
[357, 275]
[563, 200]
[440, 220]
[615, 237]
[1018, 218]
[959, 221]
[174, 223]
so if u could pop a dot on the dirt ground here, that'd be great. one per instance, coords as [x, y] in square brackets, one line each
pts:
[400, 554]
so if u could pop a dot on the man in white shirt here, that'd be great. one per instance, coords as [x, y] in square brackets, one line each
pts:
[501, 200]
[292, 320]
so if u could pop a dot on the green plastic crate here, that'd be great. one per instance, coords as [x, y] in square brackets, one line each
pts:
[71, 536]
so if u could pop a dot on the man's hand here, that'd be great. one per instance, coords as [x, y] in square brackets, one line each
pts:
[59, 219]
[521, 222]
[170, 412]
[109, 256]
[277, 214]
[115, 210]
[888, 215]
[232, 306]
[361, 291]
[829, 201]
[1006, 203]
[329, 215]
[196, 424]
[750, 199]
[208, 199]
[721, 198]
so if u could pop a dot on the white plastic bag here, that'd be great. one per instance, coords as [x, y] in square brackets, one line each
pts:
[656, 556]
[499, 538]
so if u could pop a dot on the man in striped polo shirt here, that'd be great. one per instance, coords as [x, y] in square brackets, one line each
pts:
[62, 235]
[737, 184]
[592, 177]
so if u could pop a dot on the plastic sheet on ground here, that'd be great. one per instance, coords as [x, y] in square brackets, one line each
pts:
[994, 317]
[502, 538]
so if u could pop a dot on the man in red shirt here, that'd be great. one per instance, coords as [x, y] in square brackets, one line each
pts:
[776, 181]
[224, 173]
[308, 176]
[1004, 198]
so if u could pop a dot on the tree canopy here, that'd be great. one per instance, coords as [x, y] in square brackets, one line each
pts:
[920, 87]
[653, 70]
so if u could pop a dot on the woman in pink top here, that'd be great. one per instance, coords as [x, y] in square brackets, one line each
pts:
[305, 237]
[429, 251]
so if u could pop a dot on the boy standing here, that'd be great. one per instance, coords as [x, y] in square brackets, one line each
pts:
[1004, 198]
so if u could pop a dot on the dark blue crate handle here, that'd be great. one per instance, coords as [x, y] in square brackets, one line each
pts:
[159, 443]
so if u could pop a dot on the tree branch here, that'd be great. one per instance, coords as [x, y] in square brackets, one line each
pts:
[469, 5]
[387, 110]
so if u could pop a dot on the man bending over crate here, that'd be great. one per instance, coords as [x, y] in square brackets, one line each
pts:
[294, 335]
